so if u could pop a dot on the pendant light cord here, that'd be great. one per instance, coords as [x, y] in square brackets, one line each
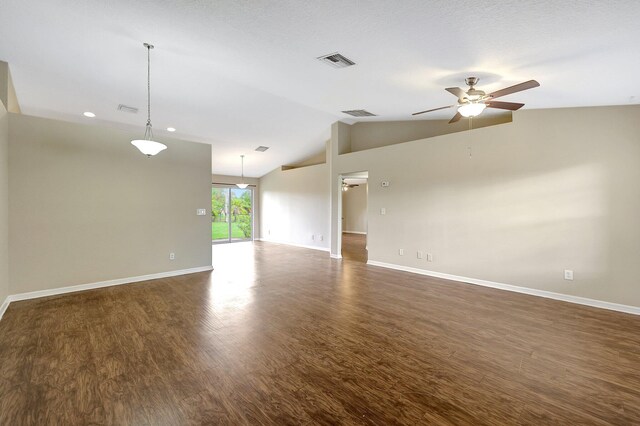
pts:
[148, 133]
[149, 85]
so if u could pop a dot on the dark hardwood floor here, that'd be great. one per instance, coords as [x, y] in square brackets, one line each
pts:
[283, 335]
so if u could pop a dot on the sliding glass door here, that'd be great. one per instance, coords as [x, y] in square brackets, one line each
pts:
[231, 214]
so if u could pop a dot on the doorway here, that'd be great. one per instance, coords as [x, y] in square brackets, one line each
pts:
[231, 214]
[354, 225]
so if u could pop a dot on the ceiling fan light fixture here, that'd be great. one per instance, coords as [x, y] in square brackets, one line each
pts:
[472, 102]
[471, 109]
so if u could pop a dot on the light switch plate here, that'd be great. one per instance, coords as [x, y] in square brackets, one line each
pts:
[201, 212]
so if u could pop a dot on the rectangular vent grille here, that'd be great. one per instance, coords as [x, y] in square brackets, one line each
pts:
[262, 148]
[130, 110]
[359, 113]
[336, 60]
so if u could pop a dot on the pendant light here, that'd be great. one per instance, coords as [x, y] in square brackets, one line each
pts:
[148, 146]
[242, 185]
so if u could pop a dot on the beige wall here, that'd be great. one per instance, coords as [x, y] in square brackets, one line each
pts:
[87, 206]
[254, 184]
[556, 189]
[4, 84]
[7, 91]
[354, 209]
[319, 158]
[295, 206]
[232, 180]
[375, 134]
[4, 204]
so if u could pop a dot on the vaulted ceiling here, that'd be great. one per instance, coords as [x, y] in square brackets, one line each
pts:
[239, 74]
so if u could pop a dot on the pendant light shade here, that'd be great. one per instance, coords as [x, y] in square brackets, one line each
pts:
[148, 146]
[242, 185]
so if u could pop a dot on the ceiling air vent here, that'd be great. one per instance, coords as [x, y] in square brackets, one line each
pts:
[359, 113]
[130, 110]
[262, 148]
[336, 60]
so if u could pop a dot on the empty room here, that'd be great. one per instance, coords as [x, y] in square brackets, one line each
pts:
[301, 213]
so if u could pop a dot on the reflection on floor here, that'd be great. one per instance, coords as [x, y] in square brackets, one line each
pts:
[354, 247]
[233, 274]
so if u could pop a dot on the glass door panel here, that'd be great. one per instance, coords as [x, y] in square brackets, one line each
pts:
[220, 215]
[241, 214]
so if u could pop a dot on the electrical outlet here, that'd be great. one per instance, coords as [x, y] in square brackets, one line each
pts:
[201, 212]
[401, 252]
[383, 211]
[172, 256]
[313, 237]
[429, 257]
[419, 254]
[568, 274]
[320, 237]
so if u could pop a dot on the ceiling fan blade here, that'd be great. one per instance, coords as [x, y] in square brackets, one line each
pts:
[511, 106]
[431, 110]
[457, 92]
[455, 118]
[513, 89]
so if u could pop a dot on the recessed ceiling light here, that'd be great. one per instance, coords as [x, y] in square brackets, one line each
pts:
[88, 114]
[171, 129]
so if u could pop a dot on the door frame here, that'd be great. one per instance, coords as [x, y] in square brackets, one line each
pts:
[341, 178]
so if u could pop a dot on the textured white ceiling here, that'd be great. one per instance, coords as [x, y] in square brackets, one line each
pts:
[238, 74]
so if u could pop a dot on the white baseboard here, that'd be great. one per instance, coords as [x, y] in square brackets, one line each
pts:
[292, 244]
[525, 290]
[4, 306]
[354, 232]
[100, 284]
[336, 256]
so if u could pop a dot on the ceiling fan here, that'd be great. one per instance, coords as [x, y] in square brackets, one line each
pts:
[346, 186]
[472, 102]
